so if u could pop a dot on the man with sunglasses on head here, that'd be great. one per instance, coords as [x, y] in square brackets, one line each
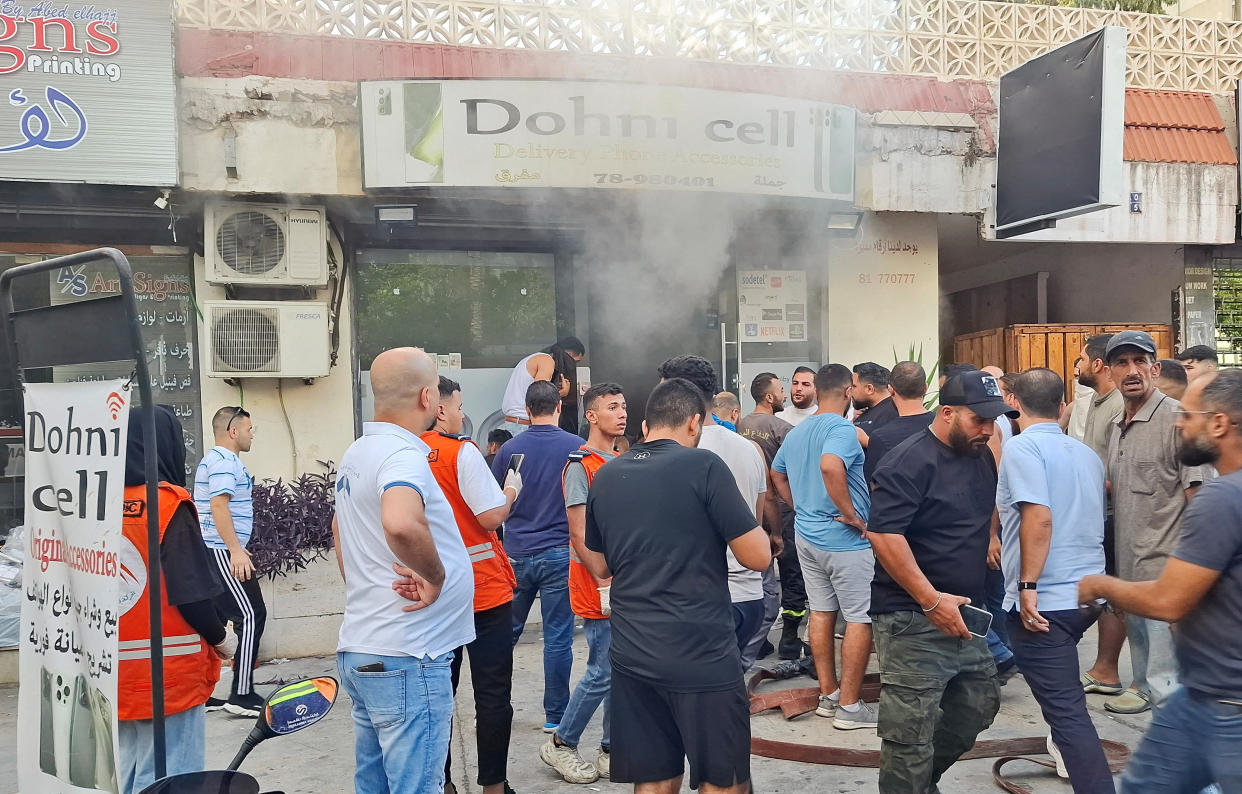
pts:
[222, 490]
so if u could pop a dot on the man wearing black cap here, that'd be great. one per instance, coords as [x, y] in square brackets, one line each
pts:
[1150, 489]
[931, 512]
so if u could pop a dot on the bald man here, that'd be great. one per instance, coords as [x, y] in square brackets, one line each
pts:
[396, 642]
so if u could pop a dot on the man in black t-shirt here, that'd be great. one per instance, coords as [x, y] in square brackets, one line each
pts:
[872, 398]
[658, 521]
[931, 512]
[908, 382]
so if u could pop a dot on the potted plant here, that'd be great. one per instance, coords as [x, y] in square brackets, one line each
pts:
[293, 522]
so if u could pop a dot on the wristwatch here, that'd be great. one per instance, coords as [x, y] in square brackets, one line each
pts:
[1027, 586]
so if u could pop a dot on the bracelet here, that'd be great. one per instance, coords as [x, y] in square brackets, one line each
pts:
[932, 608]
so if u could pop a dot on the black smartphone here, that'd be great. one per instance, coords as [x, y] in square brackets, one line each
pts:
[515, 461]
[373, 667]
[977, 620]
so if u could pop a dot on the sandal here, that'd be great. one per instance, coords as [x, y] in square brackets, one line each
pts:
[1130, 702]
[1093, 685]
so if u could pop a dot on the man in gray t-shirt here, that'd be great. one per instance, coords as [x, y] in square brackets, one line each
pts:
[1193, 738]
[768, 430]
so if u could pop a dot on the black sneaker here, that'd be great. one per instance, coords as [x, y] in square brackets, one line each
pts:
[1006, 670]
[215, 704]
[249, 705]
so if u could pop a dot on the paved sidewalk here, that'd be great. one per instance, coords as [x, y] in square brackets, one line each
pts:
[319, 760]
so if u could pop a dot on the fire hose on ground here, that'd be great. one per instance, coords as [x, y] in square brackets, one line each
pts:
[796, 702]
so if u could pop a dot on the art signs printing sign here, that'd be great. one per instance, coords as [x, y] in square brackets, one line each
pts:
[76, 563]
[88, 92]
[568, 134]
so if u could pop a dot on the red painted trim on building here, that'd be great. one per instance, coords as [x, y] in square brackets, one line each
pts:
[225, 53]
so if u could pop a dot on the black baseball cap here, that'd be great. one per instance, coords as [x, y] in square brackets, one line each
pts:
[1139, 339]
[978, 391]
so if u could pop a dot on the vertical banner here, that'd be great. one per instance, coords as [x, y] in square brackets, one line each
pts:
[75, 476]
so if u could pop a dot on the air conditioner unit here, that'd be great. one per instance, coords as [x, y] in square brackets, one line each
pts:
[259, 339]
[266, 245]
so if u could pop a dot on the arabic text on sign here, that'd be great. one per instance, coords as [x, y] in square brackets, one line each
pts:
[36, 126]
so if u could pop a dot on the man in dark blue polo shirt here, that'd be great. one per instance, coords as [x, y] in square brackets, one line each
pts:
[537, 540]
[931, 513]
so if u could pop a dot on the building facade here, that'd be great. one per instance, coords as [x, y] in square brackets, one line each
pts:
[766, 184]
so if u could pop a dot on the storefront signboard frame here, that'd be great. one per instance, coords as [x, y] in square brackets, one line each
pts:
[603, 135]
[90, 92]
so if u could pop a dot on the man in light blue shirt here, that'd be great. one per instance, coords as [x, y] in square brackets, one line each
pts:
[819, 470]
[1050, 495]
[222, 496]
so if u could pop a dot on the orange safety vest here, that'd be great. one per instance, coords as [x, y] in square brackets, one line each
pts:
[191, 668]
[493, 575]
[583, 589]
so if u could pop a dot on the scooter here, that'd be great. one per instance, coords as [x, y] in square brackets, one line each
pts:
[287, 710]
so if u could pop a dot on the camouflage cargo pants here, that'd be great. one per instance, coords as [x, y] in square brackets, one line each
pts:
[937, 694]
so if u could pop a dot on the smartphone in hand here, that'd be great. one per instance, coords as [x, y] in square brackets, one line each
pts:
[978, 621]
[515, 462]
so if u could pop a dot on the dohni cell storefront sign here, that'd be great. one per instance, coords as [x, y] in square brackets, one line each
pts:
[548, 133]
[88, 92]
[76, 562]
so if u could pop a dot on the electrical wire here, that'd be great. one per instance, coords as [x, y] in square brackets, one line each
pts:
[293, 444]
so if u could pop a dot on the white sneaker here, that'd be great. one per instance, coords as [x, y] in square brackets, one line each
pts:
[567, 763]
[827, 706]
[1053, 751]
[863, 717]
[603, 763]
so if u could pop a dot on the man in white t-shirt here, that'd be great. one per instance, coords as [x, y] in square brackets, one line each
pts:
[396, 643]
[801, 397]
[745, 462]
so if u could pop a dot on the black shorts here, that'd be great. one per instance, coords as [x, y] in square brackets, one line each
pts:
[655, 729]
[1110, 547]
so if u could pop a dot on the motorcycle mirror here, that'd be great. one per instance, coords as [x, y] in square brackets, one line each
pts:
[299, 705]
[289, 709]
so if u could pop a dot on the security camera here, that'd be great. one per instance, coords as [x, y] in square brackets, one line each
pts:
[161, 201]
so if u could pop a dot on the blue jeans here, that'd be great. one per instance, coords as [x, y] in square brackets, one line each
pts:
[1193, 740]
[747, 618]
[594, 688]
[771, 608]
[402, 719]
[998, 635]
[546, 574]
[185, 735]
